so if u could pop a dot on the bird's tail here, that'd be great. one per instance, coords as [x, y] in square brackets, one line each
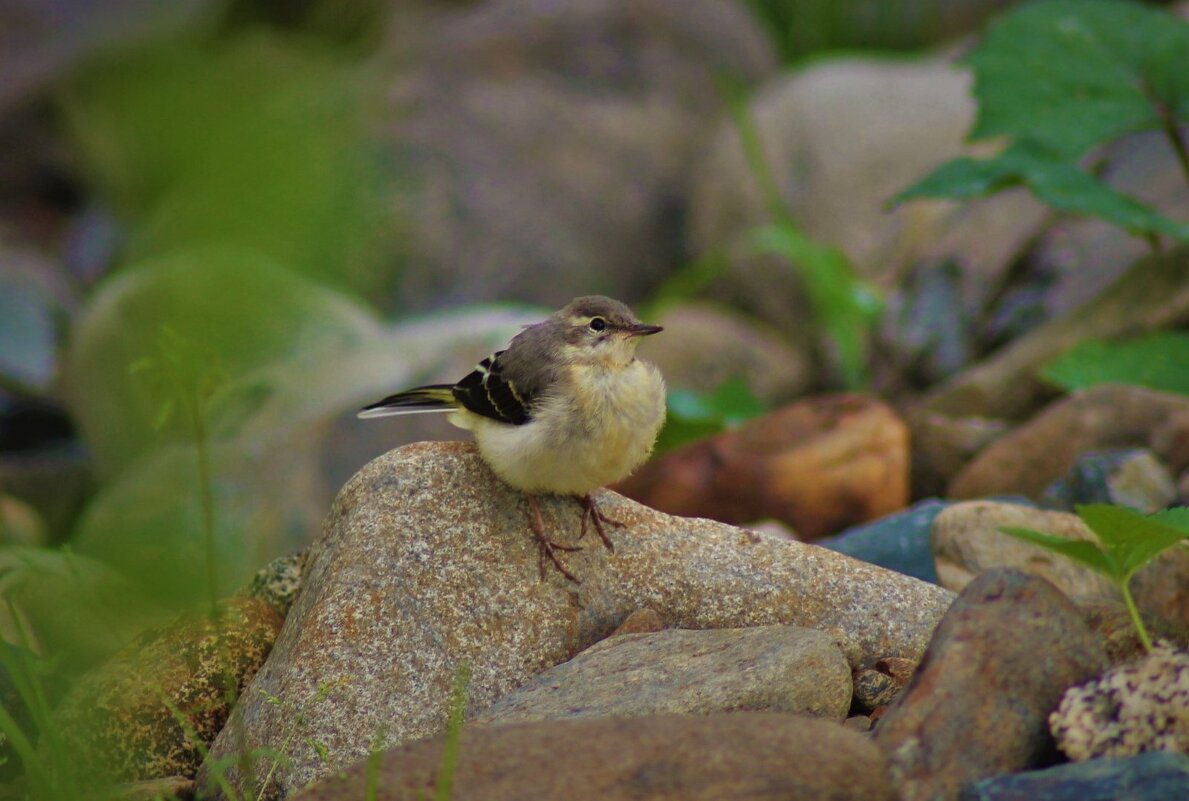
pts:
[435, 398]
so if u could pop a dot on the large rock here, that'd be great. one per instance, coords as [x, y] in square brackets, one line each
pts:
[754, 755]
[542, 149]
[765, 668]
[1148, 777]
[427, 562]
[978, 704]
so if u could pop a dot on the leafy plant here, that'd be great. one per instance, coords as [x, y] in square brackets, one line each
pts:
[1059, 79]
[1158, 361]
[1127, 540]
[189, 376]
[694, 415]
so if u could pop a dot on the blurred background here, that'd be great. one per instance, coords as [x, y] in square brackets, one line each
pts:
[227, 224]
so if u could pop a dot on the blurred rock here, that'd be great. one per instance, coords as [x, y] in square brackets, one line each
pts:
[1131, 477]
[977, 706]
[1142, 706]
[881, 684]
[967, 541]
[1045, 448]
[679, 671]
[1148, 777]
[705, 345]
[1113, 623]
[20, 524]
[661, 758]
[542, 148]
[172, 788]
[427, 561]
[641, 621]
[898, 542]
[118, 718]
[818, 464]
[942, 445]
[1086, 254]
[840, 139]
[1152, 294]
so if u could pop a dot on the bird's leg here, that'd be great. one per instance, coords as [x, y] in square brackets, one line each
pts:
[591, 509]
[546, 546]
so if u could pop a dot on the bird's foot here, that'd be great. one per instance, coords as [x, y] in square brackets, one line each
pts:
[547, 548]
[591, 510]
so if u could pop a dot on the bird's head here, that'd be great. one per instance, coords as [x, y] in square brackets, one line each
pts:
[599, 330]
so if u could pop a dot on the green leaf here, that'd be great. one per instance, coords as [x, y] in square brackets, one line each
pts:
[1158, 361]
[1177, 517]
[1132, 539]
[1055, 181]
[845, 306]
[1072, 74]
[1081, 551]
[694, 415]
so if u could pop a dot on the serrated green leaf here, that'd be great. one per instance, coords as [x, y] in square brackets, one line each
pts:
[1087, 553]
[1073, 74]
[1158, 361]
[1131, 538]
[1054, 180]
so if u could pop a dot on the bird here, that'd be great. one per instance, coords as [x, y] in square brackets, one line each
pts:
[564, 409]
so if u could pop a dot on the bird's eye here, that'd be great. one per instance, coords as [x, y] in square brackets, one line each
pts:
[597, 324]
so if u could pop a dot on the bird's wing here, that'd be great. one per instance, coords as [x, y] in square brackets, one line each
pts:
[489, 391]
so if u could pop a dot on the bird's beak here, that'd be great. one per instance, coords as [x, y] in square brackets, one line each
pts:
[641, 330]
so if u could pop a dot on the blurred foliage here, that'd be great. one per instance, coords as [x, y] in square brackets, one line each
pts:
[1158, 361]
[845, 306]
[1060, 78]
[254, 140]
[693, 416]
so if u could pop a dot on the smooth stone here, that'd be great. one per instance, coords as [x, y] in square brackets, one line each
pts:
[977, 706]
[819, 464]
[760, 756]
[898, 542]
[1140, 706]
[1147, 777]
[765, 668]
[967, 541]
[427, 562]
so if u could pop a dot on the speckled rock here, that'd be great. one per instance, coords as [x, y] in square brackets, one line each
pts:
[765, 668]
[117, 722]
[1142, 706]
[278, 582]
[426, 561]
[760, 756]
[978, 704]
[882, 683]
[967, 540]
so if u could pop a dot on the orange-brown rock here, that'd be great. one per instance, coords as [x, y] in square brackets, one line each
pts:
[820, 464]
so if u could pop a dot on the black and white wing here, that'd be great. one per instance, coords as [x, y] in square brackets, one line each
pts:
[490, 392]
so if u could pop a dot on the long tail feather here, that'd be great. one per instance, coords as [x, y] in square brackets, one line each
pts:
[422, 400]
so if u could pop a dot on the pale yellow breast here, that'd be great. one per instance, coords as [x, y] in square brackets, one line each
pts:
[593, 431]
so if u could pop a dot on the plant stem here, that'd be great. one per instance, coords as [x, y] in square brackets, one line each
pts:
[1135, 618]
[1178, 144]
[208, 505]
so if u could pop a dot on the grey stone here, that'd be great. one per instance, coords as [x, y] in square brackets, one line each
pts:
[1132, 477]
[1148, 777]
[898, 542]
[765, 668]
[426, 562]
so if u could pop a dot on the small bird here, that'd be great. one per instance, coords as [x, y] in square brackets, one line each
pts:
[565, 409]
